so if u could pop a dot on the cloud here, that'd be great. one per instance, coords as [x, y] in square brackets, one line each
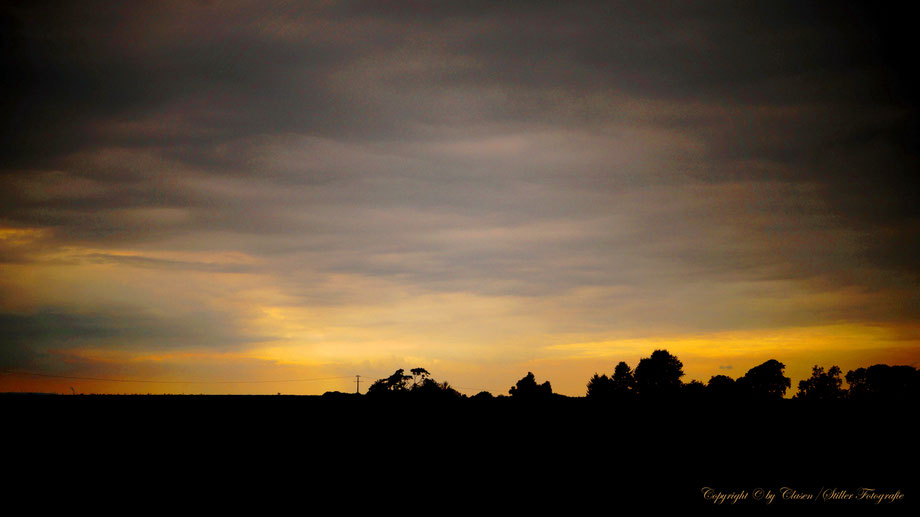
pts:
[608, 165]
[30, 336]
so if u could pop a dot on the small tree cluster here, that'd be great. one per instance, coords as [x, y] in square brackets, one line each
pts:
[658, 377]
[528, 389]
[821, 385]
[621, 385]
[418, 385]
[877, 383]
[884, 383]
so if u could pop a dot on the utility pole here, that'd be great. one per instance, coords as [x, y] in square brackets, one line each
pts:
[358, 384]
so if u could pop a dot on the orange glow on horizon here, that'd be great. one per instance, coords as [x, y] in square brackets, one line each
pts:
[568, 367]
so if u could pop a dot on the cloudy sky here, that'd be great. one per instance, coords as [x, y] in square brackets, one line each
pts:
[248, 194]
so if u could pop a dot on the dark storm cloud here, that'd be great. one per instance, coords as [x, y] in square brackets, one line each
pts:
[241, 68]
[387, 140]
[78, 65]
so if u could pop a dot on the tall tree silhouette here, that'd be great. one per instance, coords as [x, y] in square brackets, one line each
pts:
[658, 376]
[765, 381]
[623, 380]
[821, 385]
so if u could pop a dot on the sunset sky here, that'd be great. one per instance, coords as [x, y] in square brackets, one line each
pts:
[268, 197]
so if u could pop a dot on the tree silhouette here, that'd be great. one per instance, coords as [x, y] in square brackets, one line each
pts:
[693, 391]
[765, 381]
[883, 382]
[398, 382]
[527, 389]
[623, 380]
[429, 389]
[821, 385]
[658, 376]
[722, 388]
[619, 386]
[482, 395]
[421, 388]
[419, 375]
[600, 387]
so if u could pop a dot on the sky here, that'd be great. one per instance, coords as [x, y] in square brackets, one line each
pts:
[262, 197]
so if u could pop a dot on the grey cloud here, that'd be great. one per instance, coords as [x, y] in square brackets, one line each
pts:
[358, 137]
[61, 328]
[157, 263]
[241, 69]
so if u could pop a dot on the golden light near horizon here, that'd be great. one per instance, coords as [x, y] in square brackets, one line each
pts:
[210, 195]
[511, 335]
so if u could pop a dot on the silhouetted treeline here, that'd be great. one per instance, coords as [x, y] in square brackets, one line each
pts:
[658, 378]
[419, 385]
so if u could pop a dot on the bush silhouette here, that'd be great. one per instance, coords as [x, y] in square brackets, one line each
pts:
[482, 395]
[722, 388]
[693, 391]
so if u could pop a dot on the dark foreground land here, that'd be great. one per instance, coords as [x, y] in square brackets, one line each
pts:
[567, 455]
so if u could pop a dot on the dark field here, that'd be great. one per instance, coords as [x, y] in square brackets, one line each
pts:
[567, 454]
